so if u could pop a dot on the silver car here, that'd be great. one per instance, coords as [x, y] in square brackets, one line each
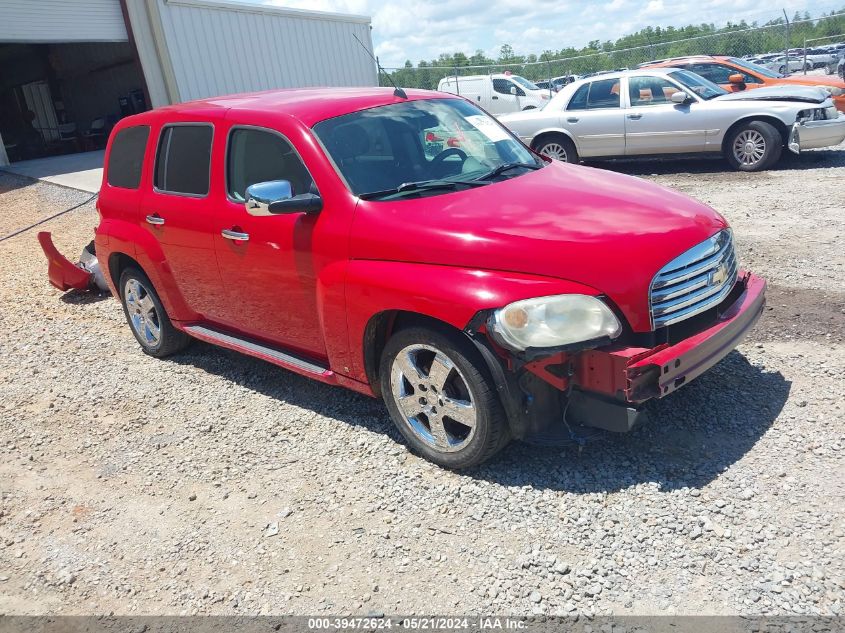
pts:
[673, 111]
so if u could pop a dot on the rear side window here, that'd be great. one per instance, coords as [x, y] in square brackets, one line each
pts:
[579, 99]
[126, 157]
[183, 159]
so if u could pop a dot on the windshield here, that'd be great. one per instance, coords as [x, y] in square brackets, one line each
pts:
[755, 68]
[443, 142]
[704, 88]
[522, 81]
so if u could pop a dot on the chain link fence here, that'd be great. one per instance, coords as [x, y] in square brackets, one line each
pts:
[737, 41]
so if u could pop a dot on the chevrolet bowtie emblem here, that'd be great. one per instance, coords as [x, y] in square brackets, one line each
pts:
[719, 276]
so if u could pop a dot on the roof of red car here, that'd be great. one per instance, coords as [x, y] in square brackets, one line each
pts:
[309, 105]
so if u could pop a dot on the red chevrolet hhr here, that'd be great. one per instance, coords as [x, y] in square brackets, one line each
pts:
[406, 245]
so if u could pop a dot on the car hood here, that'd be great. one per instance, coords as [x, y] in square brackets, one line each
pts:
[805, 94]
[811, 80]
[604, 230]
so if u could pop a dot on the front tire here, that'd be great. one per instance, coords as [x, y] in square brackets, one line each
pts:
[439, 395]
[558, 147]
[753, 146]
[146, 316]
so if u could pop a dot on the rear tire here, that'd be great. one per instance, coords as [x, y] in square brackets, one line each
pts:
[753, 146]
[558, 147]
[146, 316]
[441, 398]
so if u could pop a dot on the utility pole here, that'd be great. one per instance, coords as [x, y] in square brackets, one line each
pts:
[786, 51]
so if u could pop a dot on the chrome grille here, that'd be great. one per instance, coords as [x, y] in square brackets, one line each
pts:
[694, 282]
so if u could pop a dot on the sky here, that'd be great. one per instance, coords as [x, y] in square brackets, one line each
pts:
[423, 29]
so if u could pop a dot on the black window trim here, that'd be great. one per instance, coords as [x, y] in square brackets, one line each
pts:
[167, 156]
[143, 157]
[258, 128]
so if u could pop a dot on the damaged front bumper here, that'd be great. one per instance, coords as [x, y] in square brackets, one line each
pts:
[817, 134]
[613, 382]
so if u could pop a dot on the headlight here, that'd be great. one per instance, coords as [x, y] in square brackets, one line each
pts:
[816, 114]
[832, 113]
[553, 322]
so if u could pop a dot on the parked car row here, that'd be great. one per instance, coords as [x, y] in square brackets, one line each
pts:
[671, 110]
[800, 59]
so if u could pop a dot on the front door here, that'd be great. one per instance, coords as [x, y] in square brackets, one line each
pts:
[178, 214]
[654, 124]
[266, 262]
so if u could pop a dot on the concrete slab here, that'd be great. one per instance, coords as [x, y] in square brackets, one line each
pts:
[82, 171]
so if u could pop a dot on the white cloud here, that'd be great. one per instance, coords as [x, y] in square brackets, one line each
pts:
[423, 30]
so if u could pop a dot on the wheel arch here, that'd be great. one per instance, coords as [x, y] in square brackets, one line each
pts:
[778, 124]
[382, 326]
[550, 133]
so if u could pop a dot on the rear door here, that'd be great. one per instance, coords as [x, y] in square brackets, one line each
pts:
[177, 212]
[654, 124]
[595, 117]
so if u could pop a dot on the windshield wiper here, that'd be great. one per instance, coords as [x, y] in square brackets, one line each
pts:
[423, 185]
[501, 169]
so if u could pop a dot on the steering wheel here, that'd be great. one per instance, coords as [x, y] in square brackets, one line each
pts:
[446, 153]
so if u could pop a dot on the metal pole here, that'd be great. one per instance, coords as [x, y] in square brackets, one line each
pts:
[549, 64]
[786, 51]
[805, 55]
[457, 87]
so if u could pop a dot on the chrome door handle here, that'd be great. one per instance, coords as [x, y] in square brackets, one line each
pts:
[234, 235]
[155, 220]
[572, 119]
[635, 117]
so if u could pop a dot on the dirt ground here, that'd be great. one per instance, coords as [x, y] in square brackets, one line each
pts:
[135, 485]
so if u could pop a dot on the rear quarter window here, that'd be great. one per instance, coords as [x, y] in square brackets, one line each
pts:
[126, 157]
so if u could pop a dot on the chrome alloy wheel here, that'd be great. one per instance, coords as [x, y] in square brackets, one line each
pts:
[433, 398]
[749, 147]
[555, 151]
[142, 312]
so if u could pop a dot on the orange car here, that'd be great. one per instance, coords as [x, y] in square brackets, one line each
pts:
[737, 74]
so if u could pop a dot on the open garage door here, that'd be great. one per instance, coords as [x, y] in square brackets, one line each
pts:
[70, 73]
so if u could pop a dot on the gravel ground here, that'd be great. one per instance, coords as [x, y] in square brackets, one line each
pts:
[215, 483]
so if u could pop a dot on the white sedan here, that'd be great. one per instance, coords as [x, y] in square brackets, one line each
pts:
[654, 111]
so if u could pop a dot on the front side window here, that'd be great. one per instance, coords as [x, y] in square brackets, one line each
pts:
[648, 91]
[603, 94]
[126, 157]
[704, 88]
[432, 142]
[183, 159]
[503, 86]
[256, 155]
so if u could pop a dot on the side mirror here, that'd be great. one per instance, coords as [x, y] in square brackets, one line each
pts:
[736, 78]
[303, 203]
[680, 97]
[513, 90]
[275, 197]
